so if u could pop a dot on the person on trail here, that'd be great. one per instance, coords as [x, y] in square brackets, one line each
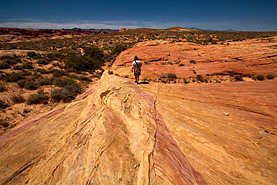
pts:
[136, 68]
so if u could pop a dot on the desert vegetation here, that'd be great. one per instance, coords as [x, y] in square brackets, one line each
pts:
[57, 70]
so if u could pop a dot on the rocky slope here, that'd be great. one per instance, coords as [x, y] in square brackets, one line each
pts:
[118, 132]
[113, 136]
[249, 57]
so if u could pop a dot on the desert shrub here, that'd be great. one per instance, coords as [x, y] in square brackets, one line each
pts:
[62, 82]
[30, 84]
[192, 62]
[59, 73]
[84, 78]
[180, 65]
[13, 77]
[31, 54]
[21, 82]
[44, 81]
[66, 93]
[35, 76]
[3, 104]
[118, 49]
[55, 56]
[41, 70]
[171, 76]
[4, 65]
[92, 59]
[18, 67]
[214, 42]
[40, 97]
[238, 77]
[110, 72]
[83, 63]
[28, 65]
[26, 73]
[200, 78]
[270, 77]
[260, 77]
[94, 53]
[43, 61]
[11, 60]
[18, 99]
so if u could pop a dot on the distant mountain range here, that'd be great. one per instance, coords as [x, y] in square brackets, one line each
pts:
[46, 33]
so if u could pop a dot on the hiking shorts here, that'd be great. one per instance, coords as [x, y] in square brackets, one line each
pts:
[137, 74]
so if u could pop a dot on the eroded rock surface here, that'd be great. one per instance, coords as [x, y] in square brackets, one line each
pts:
[119, 132]
[253, 56]
[113, 136]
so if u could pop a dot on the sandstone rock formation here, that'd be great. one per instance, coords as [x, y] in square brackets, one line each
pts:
[254, 56]
[119, 132]
[113, 136]
[122, 133]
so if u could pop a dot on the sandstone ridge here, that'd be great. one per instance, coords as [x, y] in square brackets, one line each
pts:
[113, 136]
[119, 132]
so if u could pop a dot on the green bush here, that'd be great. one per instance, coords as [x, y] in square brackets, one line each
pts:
[117, 49]
[238, 77]
[83, 63]
[30, 84]
[4, 65]
[171, 76]
[44, 81]
[65, 94]
[13, 77]
[43, 61]
[21, 82]
[59, 73]
[270, 77]
[62, 82]
[18, 67]
[18, 99]
[11, 60]
[41, 70]
[3, 104]
[40, 97]
[28, 65]
[260, 77]
[31, 54]
[92, 59]
[55, 56]
[200, 78]
[94, 53]
[35, 76]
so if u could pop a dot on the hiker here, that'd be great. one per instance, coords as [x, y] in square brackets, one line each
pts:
[136, 68]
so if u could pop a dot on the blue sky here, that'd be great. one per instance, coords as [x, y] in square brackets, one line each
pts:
[241, 15]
